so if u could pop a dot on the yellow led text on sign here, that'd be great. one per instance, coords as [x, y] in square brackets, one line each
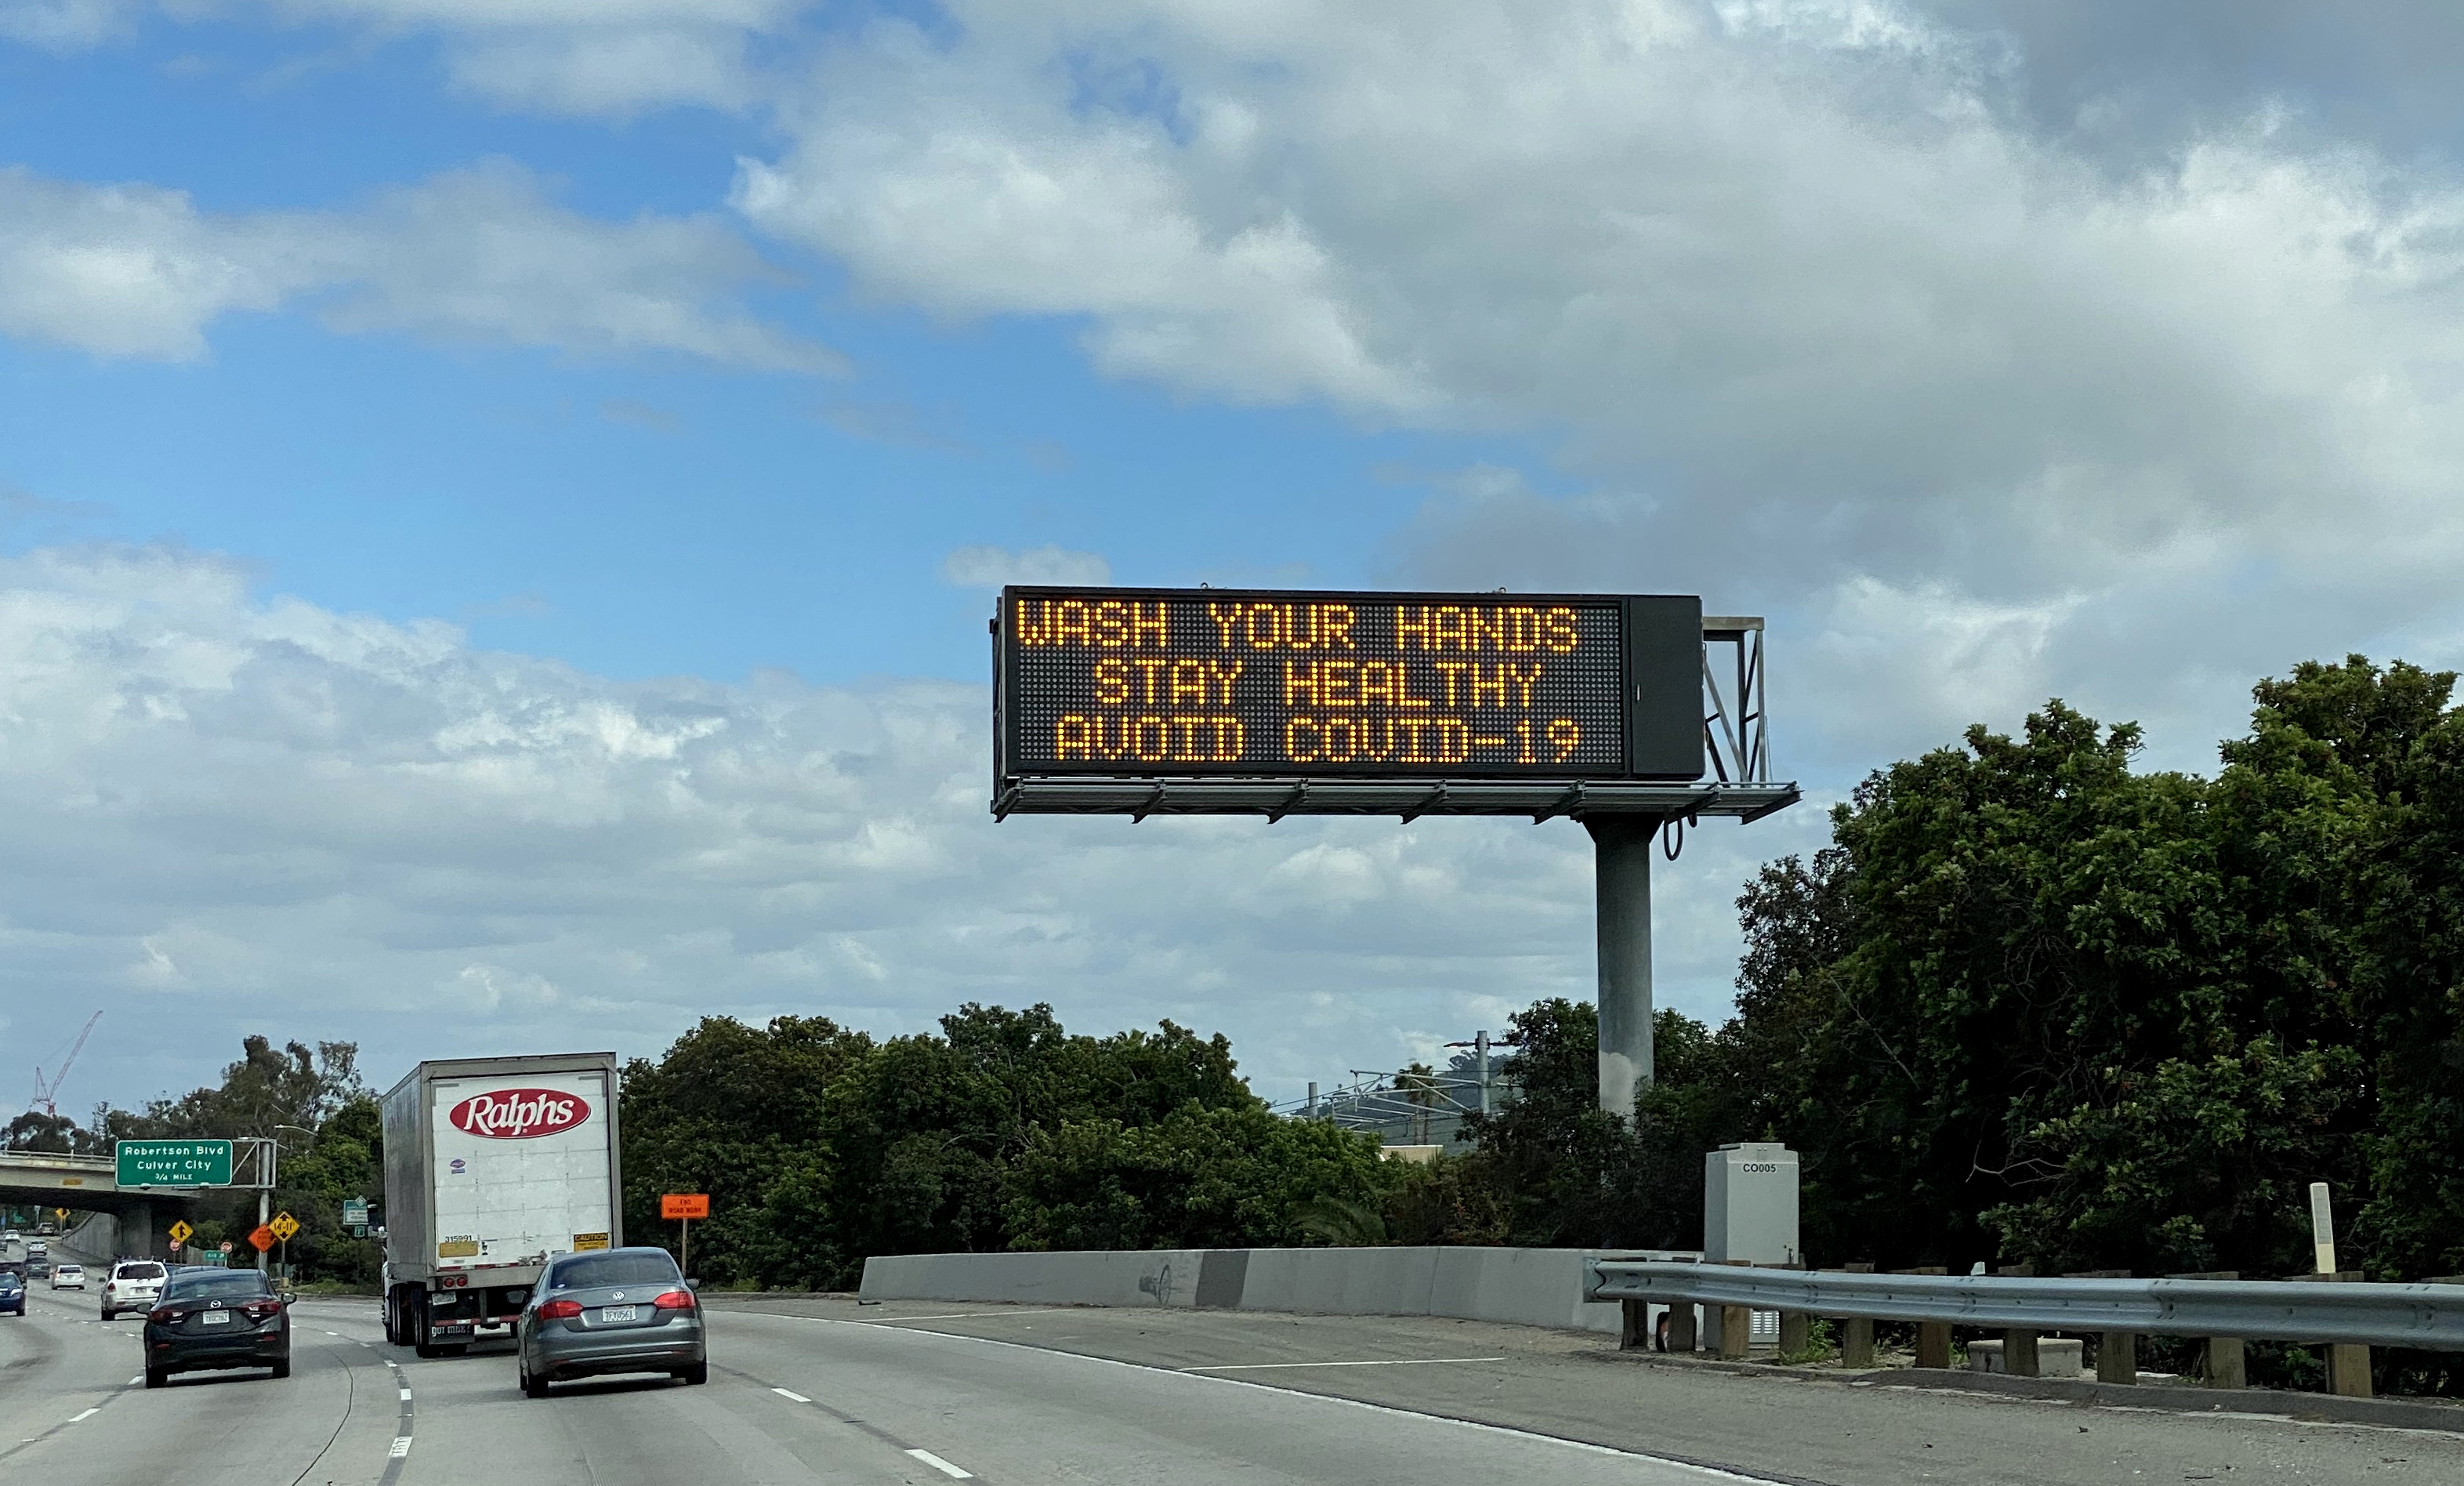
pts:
[1226, 684]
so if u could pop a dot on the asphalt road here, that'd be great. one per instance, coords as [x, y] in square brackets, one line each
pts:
[824, 1391]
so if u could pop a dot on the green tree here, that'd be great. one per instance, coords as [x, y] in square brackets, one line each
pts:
[308, 1099]
[820, 1148]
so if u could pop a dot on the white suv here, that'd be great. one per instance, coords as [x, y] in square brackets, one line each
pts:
[69, 1276]
[133, 1286]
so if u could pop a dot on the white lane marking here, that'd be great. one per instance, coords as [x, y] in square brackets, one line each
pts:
[1387, 1361]
[1041, 1310]
[796, 1398]
[401, 1447]
[1712, 1472]
[942, 1466]
[140, 1378]
[333, 1333]
[83, 1418]
[406, 1395]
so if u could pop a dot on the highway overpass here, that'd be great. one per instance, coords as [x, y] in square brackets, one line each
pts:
[89, 1184]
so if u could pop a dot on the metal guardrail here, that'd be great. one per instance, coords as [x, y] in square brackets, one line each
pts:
[2429, 1317]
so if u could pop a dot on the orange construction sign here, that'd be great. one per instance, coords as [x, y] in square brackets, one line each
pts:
[684, 1204]
[263, 1239]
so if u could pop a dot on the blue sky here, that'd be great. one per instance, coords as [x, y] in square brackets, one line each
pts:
[497, 498]
[635, 518]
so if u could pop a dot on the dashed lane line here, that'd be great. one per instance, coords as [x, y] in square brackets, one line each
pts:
[88, 1414]
[954, 1473]
[1383, 1362]
[1040, 1310]
[400, 1451]
[942, 1466]
[1702, 1468]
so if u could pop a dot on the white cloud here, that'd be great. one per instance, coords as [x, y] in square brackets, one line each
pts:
[616, 57]
[231, 814]
[616, 72]
[993, 568]
[63, 25]
[127, 269]
[1800, 290]
[481, 254]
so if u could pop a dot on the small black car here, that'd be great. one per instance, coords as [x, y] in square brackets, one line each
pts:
[12, 1293]
[216, 1319]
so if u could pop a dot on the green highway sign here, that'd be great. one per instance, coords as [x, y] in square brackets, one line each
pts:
[174, 1163]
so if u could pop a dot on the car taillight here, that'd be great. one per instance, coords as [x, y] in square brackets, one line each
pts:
[559, 1310]
[165, 1316]
[675, 1300]
[262, 1310]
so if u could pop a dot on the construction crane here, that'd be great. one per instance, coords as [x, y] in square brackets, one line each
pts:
[47, 1091]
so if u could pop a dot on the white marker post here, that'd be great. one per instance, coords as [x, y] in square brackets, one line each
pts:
[2322, 1228]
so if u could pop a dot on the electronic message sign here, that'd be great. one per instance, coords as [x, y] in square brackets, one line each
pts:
[1148, 683]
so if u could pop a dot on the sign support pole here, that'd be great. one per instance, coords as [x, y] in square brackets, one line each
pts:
[1621, 852]
[684, 1243]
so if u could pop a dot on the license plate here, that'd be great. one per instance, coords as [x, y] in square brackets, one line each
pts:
[214, 1318]
[614, 1313]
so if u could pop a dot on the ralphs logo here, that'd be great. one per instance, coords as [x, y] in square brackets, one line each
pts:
[518, 1114]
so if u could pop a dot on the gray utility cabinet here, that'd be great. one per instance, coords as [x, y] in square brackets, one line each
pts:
[1749, 1204]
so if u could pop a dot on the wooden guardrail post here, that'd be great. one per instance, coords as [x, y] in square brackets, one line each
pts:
[1736, 1332]
[1795, 1334]
[2221, 1367]
[2117, 1352]
[1792, 1327]
[1736, 1322]
[1681, 1329]
[1856, 1332]
[1933, 1337]
[2018, 1346]
[2348, 1366]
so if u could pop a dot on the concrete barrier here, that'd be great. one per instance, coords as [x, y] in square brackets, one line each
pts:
[1158, 1277]
[1525, 1287]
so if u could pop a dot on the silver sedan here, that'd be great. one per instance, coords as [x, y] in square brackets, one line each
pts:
[617, 1310]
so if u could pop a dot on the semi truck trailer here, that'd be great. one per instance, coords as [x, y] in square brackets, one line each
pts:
[493, 1165]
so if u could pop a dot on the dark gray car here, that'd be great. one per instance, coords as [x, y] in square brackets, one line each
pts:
[617, 1310]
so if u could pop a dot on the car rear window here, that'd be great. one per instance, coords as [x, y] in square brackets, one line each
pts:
[614, 1268]
[235, 1283]
[139, 1272]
